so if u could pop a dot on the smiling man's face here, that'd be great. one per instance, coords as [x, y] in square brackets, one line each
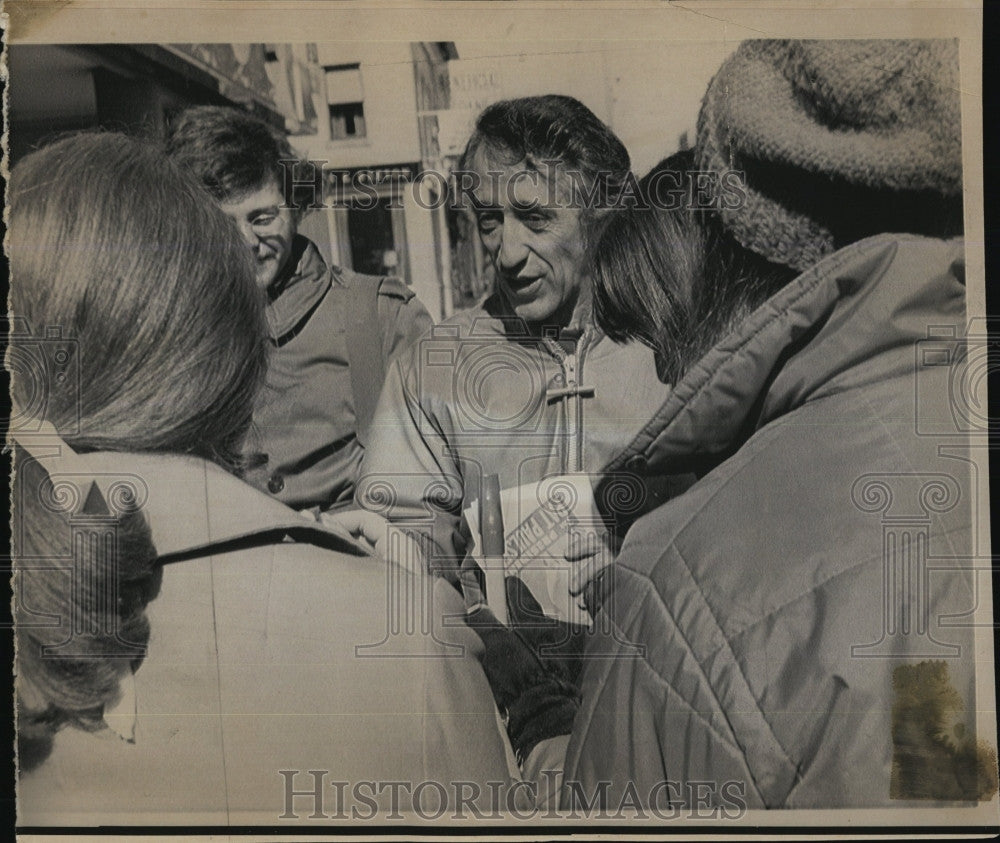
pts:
[534, 238]
[268, 227]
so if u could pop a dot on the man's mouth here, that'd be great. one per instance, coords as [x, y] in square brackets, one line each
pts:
[522, 286]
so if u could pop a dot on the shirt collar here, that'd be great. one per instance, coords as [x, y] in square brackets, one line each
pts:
[294, 296]
[581, 327]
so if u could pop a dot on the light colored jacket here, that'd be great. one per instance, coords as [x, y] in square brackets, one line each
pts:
[479, 396]
[274, 647]
[755, 624]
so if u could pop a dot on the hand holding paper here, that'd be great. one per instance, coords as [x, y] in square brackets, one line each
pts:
[554, 542]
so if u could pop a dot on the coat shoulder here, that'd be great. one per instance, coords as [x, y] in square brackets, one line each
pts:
[389, 286]
[393, 287]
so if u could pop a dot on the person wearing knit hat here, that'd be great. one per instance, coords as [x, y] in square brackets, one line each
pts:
[834, 139]
[778, 634]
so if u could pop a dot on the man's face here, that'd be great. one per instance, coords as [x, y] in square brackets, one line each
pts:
[534, 239]
[267, 228]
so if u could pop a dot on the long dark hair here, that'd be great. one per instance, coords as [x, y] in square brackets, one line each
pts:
[668, 275]
[68, 671]
[138, 328]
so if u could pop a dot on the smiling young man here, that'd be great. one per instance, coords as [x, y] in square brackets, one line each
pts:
[523, 385]
[333, 331]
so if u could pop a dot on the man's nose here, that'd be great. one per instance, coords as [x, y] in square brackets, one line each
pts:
[513, 248]
[249, 236]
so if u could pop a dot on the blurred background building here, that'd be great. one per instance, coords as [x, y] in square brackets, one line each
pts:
[352, 106]
[140, 87]
[381, 218]
[382, 117]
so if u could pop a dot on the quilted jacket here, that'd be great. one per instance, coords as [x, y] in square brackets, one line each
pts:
[755, 624]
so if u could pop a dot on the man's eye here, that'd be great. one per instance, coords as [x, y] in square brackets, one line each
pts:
[536, 222]
[488, 224]
[263, 219]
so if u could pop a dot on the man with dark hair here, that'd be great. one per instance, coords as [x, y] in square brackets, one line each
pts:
[333, 331]
[549, 166]
[523, 385]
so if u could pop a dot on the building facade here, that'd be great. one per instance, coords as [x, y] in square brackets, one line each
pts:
[354, 109]
[385, 209]
[138, 88]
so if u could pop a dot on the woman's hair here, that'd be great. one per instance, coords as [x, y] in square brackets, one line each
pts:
[138, 328]
[69, 669]
[666, 273]
[137, 299]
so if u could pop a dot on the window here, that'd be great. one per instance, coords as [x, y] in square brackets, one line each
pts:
[347, 120]
[345, 100]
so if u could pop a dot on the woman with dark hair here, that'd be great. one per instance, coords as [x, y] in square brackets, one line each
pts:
[671, 277]
[190, 650]
[766, 628]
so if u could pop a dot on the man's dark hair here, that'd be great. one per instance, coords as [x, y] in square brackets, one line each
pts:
[550, 128]
[232, 153]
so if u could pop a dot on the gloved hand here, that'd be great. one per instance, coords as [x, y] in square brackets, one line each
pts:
[545, 710]
[559, 645]
[526, 666]
[512, 666]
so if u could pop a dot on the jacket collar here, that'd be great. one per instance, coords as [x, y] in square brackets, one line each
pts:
[294, 296]
[581, 327]
[827, 330]
[191, 504]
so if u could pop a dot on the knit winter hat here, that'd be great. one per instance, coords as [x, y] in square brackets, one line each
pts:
[836, 139]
